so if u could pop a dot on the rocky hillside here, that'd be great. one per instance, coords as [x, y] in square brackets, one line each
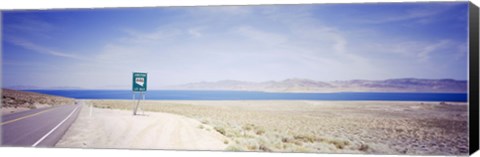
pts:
[305, 85]
[21, 99]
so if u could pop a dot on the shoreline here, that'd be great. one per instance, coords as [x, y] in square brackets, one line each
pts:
[202, 95]
[259, 91]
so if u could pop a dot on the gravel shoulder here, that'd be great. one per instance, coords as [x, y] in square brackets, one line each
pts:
[113, 128]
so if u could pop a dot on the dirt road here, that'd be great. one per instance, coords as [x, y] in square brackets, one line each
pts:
[109, 128]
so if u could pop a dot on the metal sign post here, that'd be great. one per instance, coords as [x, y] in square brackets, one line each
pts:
[139, 85]
[137, 103]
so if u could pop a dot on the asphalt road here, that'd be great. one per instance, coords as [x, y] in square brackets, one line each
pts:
[38, 127]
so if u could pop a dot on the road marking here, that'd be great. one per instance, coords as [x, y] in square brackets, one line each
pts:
[55, 128]
[27, 116]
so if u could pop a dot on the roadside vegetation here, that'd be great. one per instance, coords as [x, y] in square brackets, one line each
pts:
[327, 127]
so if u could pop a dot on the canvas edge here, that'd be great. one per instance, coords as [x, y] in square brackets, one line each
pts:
[473, 78]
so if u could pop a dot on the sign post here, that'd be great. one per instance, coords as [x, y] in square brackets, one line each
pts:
[139, 85]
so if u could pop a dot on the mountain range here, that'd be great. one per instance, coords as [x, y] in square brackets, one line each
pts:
[306, 85]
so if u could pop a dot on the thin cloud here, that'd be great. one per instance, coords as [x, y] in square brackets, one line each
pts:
[40, 49]
[195, 32]
[427, 51]
[29, 24]
[141, 38]
[260, 36]
[250, 43]
[421, 50]
[421, 15]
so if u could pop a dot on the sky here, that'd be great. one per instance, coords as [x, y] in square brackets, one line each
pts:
[100, 48]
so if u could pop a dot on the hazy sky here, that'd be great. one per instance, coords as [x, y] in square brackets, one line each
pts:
[100, 48]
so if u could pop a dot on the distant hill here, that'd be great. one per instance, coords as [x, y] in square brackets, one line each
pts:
[305, 85]
[16, 99]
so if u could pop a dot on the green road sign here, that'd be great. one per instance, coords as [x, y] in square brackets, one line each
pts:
[139, 82]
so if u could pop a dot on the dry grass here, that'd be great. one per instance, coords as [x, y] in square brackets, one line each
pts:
[327, 127]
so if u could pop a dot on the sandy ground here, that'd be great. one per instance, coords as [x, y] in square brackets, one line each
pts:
[110, 128]
[371, 127]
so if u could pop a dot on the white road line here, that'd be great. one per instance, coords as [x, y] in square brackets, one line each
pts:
[55, 128]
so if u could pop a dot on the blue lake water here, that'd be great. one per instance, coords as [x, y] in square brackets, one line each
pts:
[250, 95]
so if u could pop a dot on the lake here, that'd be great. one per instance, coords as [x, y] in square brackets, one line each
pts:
[251, 95]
